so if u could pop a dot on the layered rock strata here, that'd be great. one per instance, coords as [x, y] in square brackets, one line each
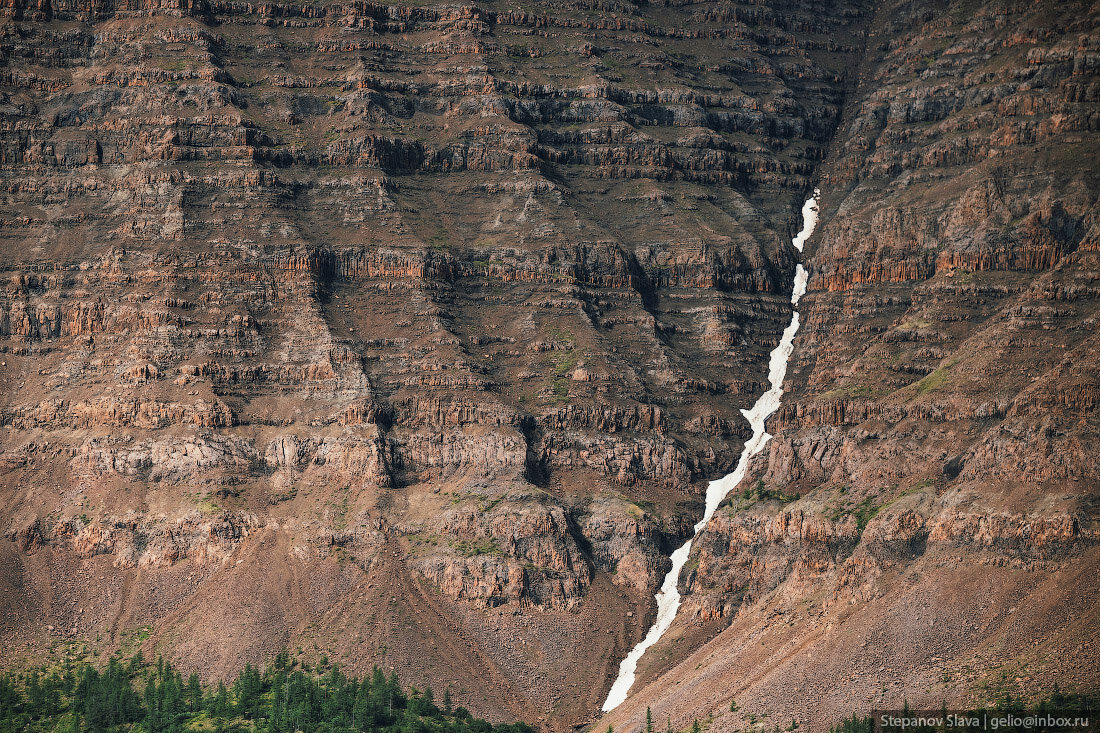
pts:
[923, 526]
[406, 333]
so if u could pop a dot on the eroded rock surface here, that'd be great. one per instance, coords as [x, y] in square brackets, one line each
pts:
[409, 331]
[923, 526]
[412, 333]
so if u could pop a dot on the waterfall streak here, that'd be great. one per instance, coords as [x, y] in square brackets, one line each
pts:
[668, 597]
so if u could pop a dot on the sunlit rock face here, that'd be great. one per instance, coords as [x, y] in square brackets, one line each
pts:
[923, 522]
[415, 332]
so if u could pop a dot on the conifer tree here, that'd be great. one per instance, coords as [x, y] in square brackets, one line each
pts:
[194, 693]
[219, 702]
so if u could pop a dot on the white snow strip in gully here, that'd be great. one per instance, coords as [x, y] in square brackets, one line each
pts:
[668, 598]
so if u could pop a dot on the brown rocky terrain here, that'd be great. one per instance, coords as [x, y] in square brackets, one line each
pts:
[405, 334]
[924, 527]
[411, 334]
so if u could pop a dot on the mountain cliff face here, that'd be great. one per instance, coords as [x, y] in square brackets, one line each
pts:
[407, 334]
[411, 334]
[924, 524]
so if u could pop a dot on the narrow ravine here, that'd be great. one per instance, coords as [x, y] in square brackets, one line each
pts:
[668, 598]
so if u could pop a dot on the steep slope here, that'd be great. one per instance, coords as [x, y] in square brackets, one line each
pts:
[404, 333]
[668, 597]
[923, 527]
